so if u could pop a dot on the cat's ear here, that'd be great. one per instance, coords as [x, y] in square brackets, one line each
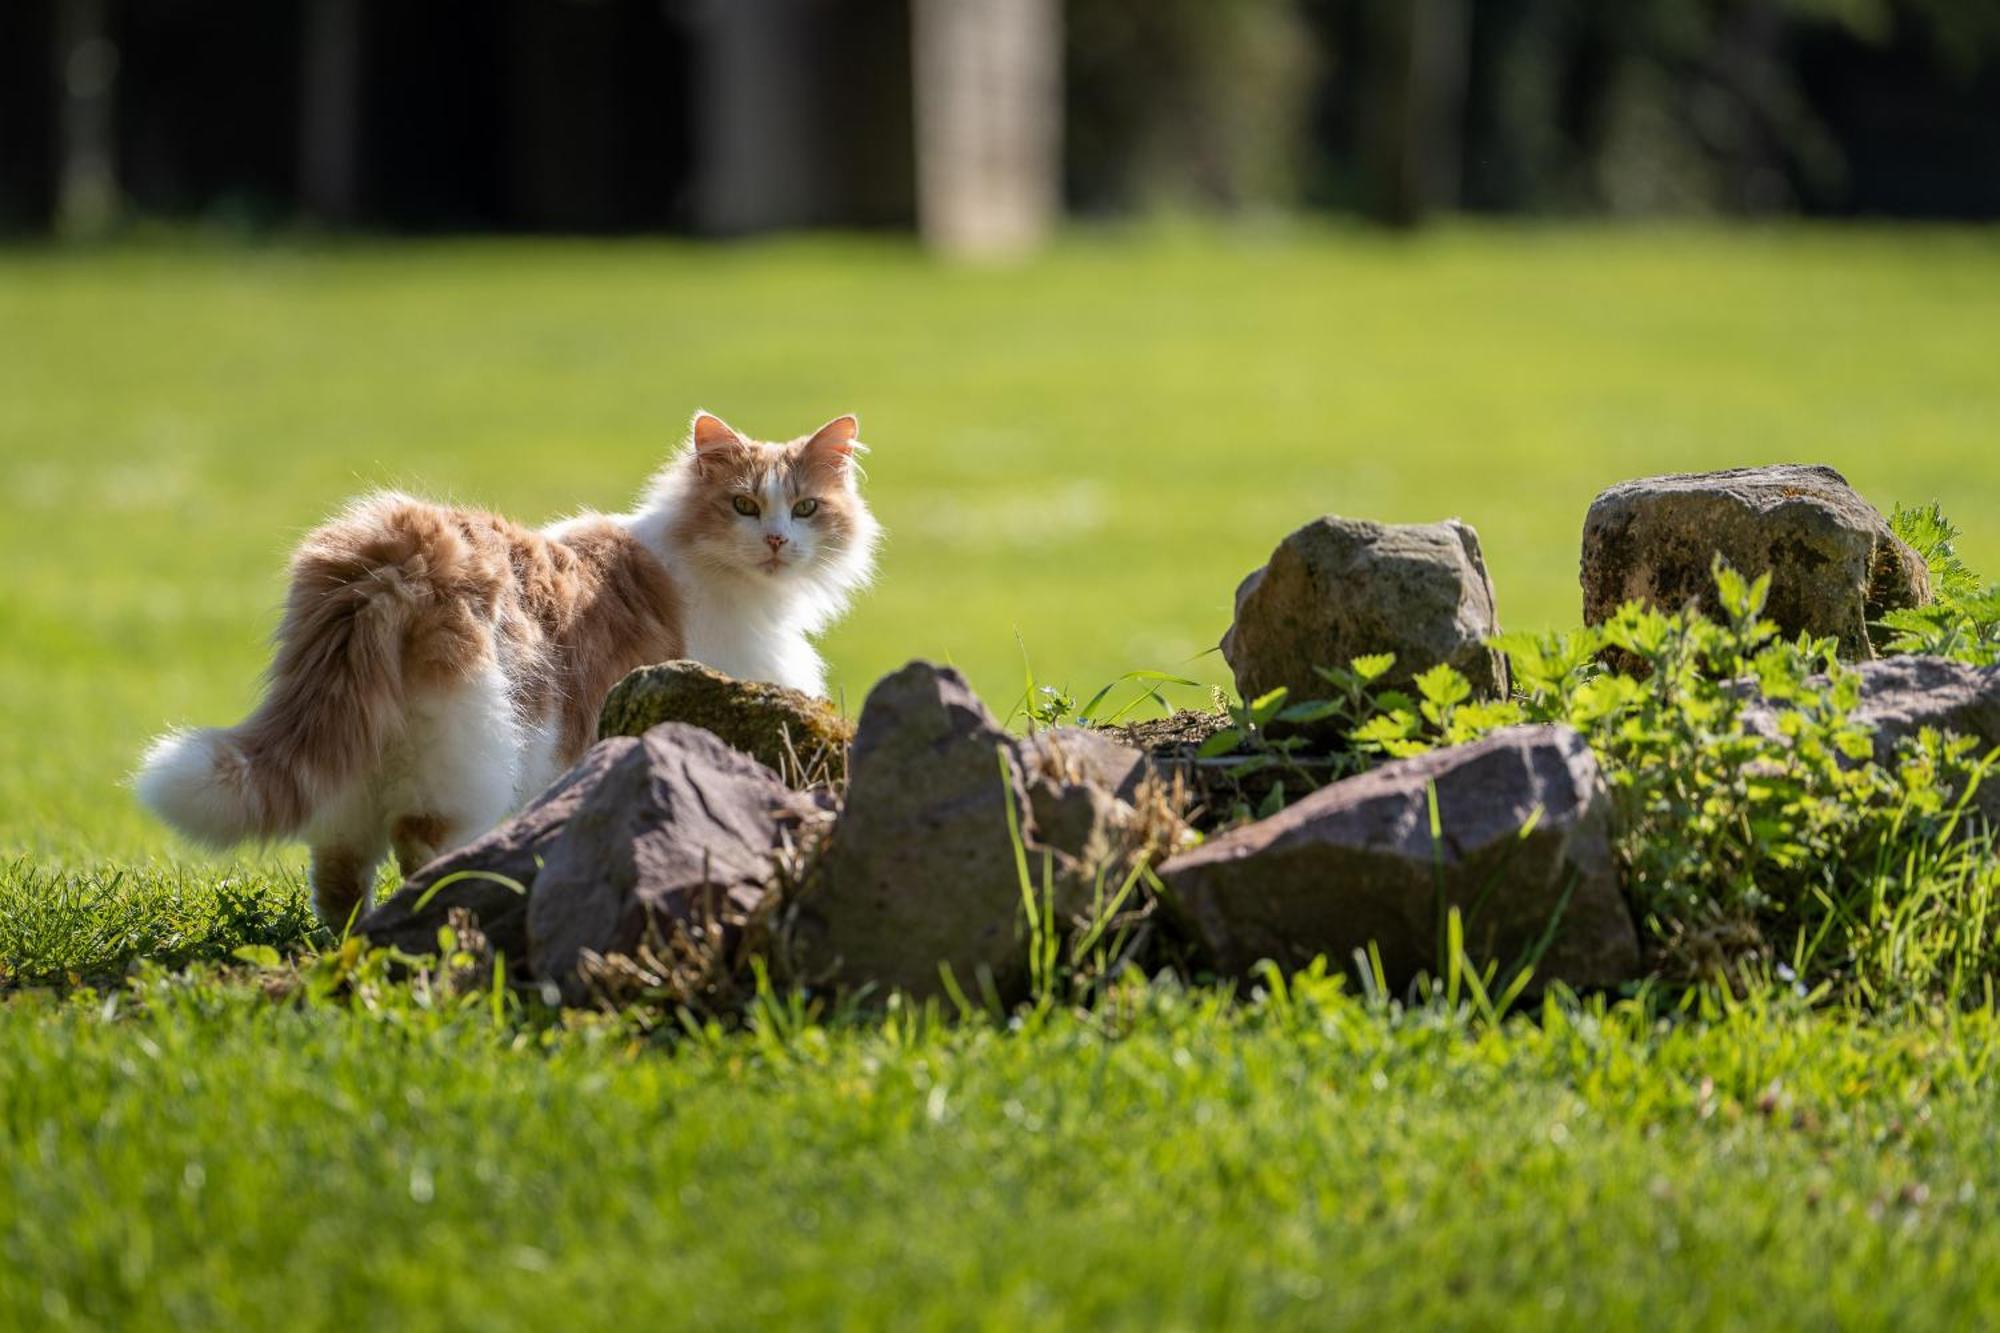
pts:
[835, 443]
[712, 433]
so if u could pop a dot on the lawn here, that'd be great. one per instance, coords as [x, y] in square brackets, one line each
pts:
[188, 1157]
[1081, 456]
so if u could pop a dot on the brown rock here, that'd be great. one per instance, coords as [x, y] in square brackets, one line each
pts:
[1835, 567]
[1340, 588]
[800, 736]
[1525, 854]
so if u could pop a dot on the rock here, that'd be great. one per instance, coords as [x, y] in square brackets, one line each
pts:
[798, 735]
[1835, 567]
[681, 832]
[1068, 756]
[920, 869]
[1082, 786]
[489, 876]
[1354, 863]
[646, 836]
[1339, 588]
[1902, 695]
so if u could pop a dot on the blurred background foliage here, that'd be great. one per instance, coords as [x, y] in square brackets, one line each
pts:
[1186, 103]
[727, 116]
[1396, 108]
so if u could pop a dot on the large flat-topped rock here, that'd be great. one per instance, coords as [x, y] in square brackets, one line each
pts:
[1524, 853]
[1835, 566]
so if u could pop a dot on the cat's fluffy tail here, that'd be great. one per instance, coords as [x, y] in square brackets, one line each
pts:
[205, 784]
[386, 582]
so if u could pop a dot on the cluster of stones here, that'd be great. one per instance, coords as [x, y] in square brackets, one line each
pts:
[891, 855]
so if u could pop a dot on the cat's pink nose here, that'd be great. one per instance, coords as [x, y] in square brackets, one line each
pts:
[774, 541]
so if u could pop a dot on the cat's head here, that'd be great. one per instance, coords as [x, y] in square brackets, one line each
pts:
[775, 512]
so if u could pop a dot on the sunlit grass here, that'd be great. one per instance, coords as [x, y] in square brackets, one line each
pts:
[197, 1155]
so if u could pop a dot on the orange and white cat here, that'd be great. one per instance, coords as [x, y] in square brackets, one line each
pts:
[437, 667]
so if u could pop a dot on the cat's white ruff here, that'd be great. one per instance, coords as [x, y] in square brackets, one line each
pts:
[746, 622]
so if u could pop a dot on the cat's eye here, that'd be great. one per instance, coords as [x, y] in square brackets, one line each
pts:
[805, 509]
[746, 506]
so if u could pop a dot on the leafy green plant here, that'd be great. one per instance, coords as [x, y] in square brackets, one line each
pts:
[1249, 728]
[1752, 820]
[1963, 620]
[1444, 713]
[1045, 705]
[1272, 732]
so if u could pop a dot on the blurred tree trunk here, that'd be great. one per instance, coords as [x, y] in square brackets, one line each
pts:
[800, 113]
[988, 77]
[330, 110]
[1412, 139]
[756, 161]
[86, 78]
[28, 106]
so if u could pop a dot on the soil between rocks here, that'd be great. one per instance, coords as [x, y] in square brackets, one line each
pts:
[1221, 794]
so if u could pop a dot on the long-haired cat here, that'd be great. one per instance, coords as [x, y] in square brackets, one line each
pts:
[437, 667]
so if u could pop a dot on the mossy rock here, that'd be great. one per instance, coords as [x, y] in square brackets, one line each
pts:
[1836, 567]
[801, 737]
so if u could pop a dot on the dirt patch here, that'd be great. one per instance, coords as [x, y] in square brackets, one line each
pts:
[1229, 788]
[1162, 737]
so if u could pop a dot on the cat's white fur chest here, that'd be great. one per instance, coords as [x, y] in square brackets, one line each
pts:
[751, 633]
[745, 624]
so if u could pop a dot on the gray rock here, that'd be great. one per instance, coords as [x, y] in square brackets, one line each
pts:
[1068, 756]
[1339, 588]
[1835, 567]
[920, 870]
[679, 833]
[1525, 854]
[1081, 785]
[788, 730]
[671, 830]
[489, 876]
[1902, 695]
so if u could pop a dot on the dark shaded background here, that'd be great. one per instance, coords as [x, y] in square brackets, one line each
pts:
[728, 116]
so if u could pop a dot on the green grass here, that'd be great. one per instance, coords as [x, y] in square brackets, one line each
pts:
[198, 1158]
[1091, 451]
